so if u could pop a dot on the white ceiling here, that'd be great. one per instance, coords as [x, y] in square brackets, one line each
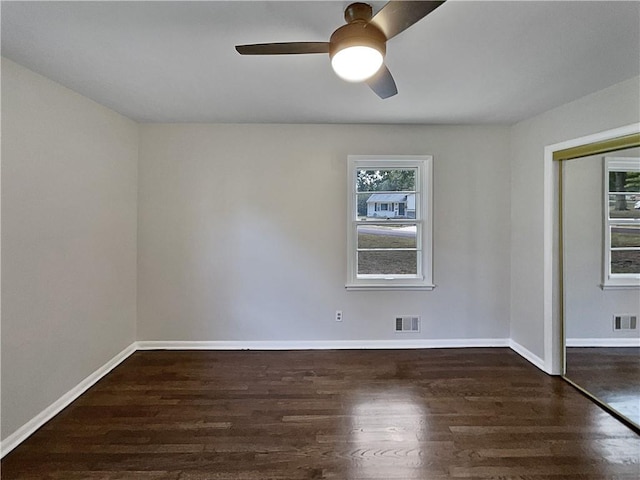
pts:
[467, 62]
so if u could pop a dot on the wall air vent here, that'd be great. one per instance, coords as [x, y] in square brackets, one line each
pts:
[407, 324]
[625, 322]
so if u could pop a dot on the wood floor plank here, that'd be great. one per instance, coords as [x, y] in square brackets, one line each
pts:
[361, 415]
[611, 374]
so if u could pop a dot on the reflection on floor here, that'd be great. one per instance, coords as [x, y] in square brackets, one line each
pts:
[441, 414]
[611, 374]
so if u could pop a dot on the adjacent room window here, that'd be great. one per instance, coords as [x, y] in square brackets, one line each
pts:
[389, 222]
[621, 222]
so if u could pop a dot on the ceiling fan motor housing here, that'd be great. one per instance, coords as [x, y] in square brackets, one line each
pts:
[358, 11]
[357, 34]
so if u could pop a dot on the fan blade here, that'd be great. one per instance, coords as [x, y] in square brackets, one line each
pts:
[286, 48]
[382, 83]
[396, 17]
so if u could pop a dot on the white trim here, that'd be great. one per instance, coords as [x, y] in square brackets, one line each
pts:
[395, 286]
[528, 355]
[603, 342]
[323, 344]
[552, 330]
[20, 435]
[619, 281]
[423, 279]
[616, 280]
[619, 287]
[622, 164]
[552, 358]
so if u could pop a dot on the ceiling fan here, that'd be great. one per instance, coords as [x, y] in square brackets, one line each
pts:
[357, 49]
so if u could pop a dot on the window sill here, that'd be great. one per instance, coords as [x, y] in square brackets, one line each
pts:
[622, 286]
[397, 286]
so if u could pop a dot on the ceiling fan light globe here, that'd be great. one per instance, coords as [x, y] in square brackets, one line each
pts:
[356, 63]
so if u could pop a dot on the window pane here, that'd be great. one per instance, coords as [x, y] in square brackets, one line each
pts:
[625, 261]
[392, 262]
[624, 206]
[386, 180]
[624, 182]
[625, 236]
[383, 236]
[385, 206]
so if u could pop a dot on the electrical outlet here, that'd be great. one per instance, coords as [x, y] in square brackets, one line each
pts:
[338, 315]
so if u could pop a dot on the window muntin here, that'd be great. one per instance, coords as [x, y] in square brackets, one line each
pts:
[622, 222]
[389, 230]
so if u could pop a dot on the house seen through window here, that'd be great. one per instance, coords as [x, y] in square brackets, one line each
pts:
[389, 222]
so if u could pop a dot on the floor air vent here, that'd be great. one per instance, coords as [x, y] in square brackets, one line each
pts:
[625, 322]
[407, 324]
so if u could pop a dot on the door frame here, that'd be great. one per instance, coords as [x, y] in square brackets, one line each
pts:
[553, 308]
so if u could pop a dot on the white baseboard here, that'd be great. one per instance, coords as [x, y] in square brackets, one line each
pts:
[322, 344]
[13, 440]
[603, 342]
[527, 355]
[20, 435]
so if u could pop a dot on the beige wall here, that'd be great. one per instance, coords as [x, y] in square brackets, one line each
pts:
[589, 309]
[69, 182]
[242, 233]
[610, 108]
[237, 232]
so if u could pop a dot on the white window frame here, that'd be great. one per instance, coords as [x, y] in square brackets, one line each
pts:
[424, 222]
[616, 280]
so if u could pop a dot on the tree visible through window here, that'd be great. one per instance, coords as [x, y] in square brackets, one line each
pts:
[389, 222]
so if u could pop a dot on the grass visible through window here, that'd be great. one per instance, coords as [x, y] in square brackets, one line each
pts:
[399, 262]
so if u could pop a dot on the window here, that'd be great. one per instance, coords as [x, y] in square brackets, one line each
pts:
[621, 222]
[389, 232]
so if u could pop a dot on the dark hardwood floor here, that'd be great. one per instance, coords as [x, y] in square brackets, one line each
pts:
[611, 374]
[411, 414]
